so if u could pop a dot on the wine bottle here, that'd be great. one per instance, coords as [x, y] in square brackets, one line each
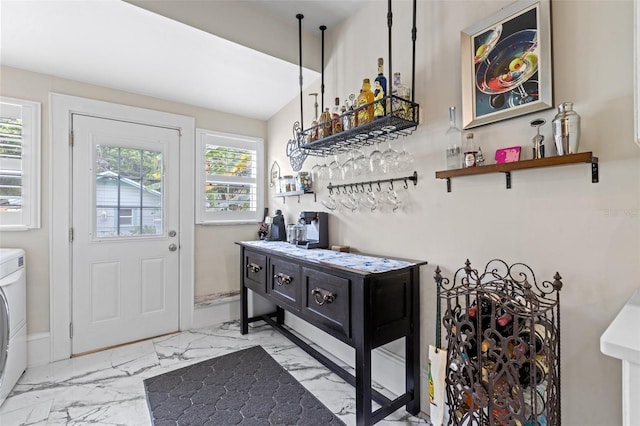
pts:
[453, 137]
[365, 103]
[532, 340]
[380, 91]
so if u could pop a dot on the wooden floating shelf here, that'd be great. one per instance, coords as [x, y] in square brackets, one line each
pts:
[507, 168]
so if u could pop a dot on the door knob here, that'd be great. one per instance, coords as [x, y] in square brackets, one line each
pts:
[173, 247]
[172, 233]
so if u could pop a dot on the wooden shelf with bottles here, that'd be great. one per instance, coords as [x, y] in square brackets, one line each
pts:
[507, 168]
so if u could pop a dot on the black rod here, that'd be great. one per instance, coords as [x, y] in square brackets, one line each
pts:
[300, 16]
[322, 28]
[390, 24]
[413, 178]
[414, 30]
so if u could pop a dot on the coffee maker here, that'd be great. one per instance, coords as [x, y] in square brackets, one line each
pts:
[316, 226]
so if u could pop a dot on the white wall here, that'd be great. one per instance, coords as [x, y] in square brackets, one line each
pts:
[553, 219]
[216, 269]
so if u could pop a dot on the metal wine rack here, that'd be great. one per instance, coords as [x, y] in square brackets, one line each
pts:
[402, 120]
[503, 345]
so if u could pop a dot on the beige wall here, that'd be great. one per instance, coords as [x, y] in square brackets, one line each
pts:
[216, 261]
[553, 219]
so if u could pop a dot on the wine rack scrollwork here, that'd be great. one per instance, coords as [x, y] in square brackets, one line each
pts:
[502, 328]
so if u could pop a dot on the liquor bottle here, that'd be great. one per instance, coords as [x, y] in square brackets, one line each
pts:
[336, 122]
[346, 119]
[353, 117]
[325, 124]
[401, 107]
[479, 157]
[366, 97]
[453, 136]
[380, 91]
[470, 151]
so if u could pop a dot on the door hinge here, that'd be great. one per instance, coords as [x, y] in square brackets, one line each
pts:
[70, 330]
[71, 138]
[70, 235]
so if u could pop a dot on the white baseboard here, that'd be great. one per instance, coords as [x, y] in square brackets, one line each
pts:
[217, 312]
[38, 349]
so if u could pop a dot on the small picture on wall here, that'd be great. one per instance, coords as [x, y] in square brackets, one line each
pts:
[508, 155]
[506, 64]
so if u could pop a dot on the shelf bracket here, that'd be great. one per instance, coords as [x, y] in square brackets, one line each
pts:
[595, 176]
[448, 184]
[508, 178]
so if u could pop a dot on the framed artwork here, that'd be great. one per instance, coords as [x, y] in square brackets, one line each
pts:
[506, 64]
[636, 42]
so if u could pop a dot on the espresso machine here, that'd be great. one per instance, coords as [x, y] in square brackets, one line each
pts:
[316, 230]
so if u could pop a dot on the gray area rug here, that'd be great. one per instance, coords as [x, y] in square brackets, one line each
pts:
[247, 387]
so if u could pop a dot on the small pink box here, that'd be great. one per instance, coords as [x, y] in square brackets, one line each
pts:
[508, 155]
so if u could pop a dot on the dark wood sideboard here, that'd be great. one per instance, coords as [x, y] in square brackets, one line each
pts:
[363, 309]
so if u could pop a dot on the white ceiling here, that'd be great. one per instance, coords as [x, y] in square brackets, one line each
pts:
[122, 46]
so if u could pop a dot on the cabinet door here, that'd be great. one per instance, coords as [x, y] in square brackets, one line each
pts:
[284, 279]
[326, 302]
[255, 271]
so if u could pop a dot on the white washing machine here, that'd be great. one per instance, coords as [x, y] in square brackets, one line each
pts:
[13, 319]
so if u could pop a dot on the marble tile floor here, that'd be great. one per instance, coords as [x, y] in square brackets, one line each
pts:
[105, 388]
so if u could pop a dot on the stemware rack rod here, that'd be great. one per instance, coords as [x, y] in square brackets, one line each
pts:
[379, 182]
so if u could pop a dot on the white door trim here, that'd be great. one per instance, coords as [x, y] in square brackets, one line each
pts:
[61, 108]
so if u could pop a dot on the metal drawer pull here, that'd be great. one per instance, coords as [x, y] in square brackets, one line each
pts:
[254, 267]
[322, 296]
[282, 279]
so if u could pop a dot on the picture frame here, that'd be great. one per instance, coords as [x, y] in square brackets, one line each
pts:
[506, 64]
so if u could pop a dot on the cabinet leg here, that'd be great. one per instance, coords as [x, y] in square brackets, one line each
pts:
[363, 387]
[244, 322]
[279, 315]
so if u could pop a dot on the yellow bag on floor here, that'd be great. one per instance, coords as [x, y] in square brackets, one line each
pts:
[437, 374]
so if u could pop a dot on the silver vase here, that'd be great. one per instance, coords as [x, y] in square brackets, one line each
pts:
[566, 129]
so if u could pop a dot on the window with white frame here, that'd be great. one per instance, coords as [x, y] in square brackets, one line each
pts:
[230, 178]
[19, 164]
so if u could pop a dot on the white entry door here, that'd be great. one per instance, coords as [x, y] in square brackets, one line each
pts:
[125, 218]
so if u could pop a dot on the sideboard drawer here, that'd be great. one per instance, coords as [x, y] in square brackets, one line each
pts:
[284, 279]
[326, 302]
[255, 271]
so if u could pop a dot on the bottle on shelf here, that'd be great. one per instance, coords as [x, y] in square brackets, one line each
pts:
[380, 91]
[479, 157]
[353, 117]
[453, 136]
[346, 119]
[366, 97]
[470, 151]
[336, 122]
[325, 124]
[401, 108]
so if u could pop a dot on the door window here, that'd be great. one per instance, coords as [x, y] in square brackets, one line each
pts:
[128, 192]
